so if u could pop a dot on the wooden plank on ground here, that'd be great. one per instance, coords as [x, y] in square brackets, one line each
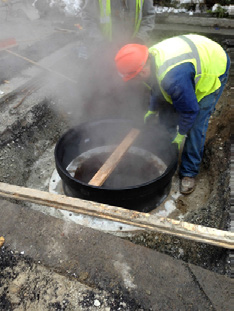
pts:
[107, 168]
[140, 220]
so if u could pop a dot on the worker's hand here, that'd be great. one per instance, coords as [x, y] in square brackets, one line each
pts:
[151, 117]
[178, 140]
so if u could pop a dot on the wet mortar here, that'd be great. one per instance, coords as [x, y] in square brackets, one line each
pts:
[132, 170]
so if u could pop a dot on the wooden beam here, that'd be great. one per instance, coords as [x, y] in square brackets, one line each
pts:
[144, 221]
[107, 168]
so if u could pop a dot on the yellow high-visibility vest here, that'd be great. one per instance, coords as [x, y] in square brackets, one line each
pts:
[208, 57]
[105, 17]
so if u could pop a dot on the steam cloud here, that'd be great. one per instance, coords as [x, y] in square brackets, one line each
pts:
[99, 92]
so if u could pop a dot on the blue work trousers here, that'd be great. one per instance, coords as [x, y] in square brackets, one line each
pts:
[194, 144]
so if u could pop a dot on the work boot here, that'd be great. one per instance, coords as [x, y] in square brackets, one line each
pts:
[187, 185]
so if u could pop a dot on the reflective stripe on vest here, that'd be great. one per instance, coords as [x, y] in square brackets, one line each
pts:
[207, 56]
[182, 57]
[138, 15]
[105, 17]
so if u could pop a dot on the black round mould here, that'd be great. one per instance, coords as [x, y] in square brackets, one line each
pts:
[87, 136]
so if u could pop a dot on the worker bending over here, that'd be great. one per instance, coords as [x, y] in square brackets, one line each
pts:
[189, 72]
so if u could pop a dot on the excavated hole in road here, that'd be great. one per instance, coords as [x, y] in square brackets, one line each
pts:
[142, 178]
[27, 159]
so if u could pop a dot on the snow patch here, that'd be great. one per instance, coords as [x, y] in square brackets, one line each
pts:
[124, 270]
[169, 207]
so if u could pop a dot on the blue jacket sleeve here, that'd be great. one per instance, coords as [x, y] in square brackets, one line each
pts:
[179, 84]
[154, 103]
[156, 96]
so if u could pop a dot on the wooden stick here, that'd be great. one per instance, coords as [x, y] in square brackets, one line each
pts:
[107, 168]
[26, 95]
[2, 240]
[66, 30]
[42, 67]
[144, 221]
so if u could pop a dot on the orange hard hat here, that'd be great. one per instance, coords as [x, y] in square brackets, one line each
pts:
[130, 60]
